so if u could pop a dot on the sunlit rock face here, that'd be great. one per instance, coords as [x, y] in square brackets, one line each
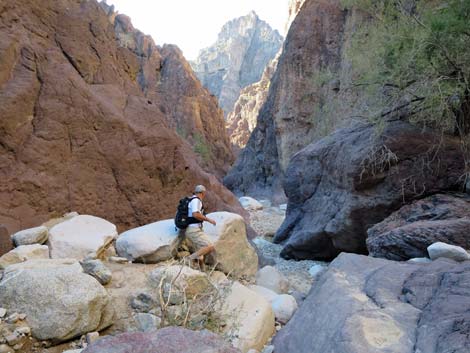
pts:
[238, 58]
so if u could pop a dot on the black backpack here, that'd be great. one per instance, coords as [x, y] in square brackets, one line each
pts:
[182, 221]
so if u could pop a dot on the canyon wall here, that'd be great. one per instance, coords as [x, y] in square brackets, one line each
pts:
[79, 129]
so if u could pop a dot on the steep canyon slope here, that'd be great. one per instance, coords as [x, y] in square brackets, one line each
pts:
[167, 79]
[308, 97]
[82, 126]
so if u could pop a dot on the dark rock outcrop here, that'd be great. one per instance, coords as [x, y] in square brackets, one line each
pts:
[165, 340]
[353, 179]
[308, 97]
[408, 232]
[367, 305]
[77, 133]
[238, 58]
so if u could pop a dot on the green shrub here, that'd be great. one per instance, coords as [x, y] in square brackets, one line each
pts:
[414, 57]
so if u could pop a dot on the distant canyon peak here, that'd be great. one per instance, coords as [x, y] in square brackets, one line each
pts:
[238, 58]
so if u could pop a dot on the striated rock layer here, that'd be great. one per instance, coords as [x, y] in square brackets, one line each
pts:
[408, 232]
[308, 97]
[77, 132]
[238, 58]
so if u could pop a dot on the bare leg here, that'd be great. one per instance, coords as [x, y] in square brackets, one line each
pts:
[201, 252]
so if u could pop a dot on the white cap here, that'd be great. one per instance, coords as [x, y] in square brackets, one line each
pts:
[199, 189]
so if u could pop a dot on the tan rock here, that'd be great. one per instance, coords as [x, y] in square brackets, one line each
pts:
[79, 236]
[234, 254]
[60, 303]
[24, 253]
[249, 318]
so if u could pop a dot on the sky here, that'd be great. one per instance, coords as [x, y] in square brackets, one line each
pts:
[194, 24]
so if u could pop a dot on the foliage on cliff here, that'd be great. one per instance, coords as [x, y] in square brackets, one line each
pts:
[416, 54]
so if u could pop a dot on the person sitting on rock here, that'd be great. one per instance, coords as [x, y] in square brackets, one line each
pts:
[197, 240]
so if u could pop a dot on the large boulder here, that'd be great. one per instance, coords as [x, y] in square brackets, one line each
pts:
[151, 243]
[369, 305]
[248, 317]
[79, 236]
[59, 300]
[343, 184]
[407, 233]
[234, 254]
[23, 253]
[165, 340]
[37, 235]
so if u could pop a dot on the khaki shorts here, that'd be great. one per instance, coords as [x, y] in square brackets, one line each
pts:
[196, 238]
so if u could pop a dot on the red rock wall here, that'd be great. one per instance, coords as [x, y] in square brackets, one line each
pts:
[76, 131]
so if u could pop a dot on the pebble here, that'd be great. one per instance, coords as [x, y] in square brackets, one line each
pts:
[92, 337]
[118, 260]
[18, 346]
[3, 312]
[24, 330]
[13, 339]
[22, 317]
[13, 318]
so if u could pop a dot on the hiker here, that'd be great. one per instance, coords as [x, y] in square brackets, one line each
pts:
[197, 240]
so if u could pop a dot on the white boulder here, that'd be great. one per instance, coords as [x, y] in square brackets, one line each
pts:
[249, 203]
[453, 252]
[23, 253]
[248, 316]
[60, 303]
[269, 277]
[284, 307]
[79, 236]
[234, 254]
[151, 243]
[37, 235]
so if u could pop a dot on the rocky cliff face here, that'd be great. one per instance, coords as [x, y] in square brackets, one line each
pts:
[307, 100]
[243, 49]
[77, 130]
[242, 120]
[167, 79]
